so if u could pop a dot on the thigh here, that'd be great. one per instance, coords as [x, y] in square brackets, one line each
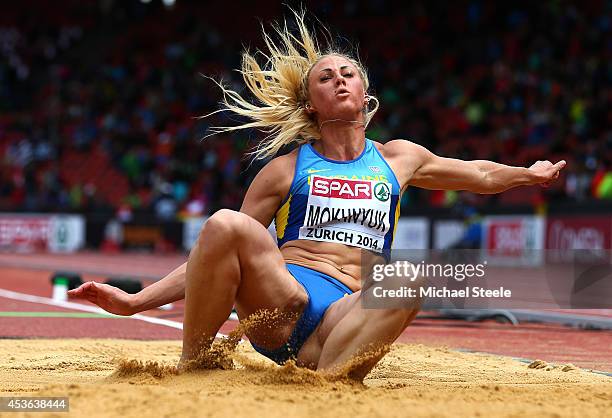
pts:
[265, 284]
[336, 312]
[347, 327]
[311, 350]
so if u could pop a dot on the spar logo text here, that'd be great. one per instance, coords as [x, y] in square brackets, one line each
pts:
[342, 189]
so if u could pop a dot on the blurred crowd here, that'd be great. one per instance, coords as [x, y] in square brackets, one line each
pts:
[99, 100]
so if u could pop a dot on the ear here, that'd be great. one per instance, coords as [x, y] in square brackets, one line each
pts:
[309, 109]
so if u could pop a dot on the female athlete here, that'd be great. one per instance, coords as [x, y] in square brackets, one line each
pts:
[333, 197]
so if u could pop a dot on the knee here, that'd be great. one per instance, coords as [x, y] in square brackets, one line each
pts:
[223, 224]
[400, 318]
[223, 227]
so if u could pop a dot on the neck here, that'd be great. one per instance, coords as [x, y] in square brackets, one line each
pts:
[341, 140]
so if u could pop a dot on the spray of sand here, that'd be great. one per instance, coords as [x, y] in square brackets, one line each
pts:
[130, 368]
[221, 354]
[543, 365]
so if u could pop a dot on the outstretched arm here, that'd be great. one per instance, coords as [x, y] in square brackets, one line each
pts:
[169, 289]
[479, 176]
[261, 201]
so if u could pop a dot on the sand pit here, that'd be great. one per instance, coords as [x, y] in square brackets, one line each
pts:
[101, 379]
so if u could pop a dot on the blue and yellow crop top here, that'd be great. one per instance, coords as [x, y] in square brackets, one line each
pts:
[348, 202]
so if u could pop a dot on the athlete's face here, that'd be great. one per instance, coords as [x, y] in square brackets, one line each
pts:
[336, 90]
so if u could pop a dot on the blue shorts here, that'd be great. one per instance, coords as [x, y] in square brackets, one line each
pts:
[323, 290]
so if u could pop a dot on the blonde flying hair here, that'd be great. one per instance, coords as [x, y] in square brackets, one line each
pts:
[280, 88]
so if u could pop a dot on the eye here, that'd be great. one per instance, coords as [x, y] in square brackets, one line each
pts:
[325, 77]
[349, 75]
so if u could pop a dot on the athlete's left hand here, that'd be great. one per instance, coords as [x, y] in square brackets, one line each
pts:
[545, 172]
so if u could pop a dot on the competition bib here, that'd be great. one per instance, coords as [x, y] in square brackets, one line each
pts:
[351, 212]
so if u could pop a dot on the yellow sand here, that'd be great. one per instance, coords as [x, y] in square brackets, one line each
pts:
[412, 381]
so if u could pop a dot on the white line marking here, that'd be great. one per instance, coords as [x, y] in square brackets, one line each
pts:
[86, 308]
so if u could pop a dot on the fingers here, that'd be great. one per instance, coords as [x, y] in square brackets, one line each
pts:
[88, 291]
[559, 165]
[547, 164]
[91, 292]
[555, 169]
[548, 171]
[78, 292]
[84, 290]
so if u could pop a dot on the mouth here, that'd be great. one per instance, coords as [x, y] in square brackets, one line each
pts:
[342, 92]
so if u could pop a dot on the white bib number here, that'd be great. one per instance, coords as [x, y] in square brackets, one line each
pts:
[351, 212]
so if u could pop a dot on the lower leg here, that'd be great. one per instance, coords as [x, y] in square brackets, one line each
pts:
[212, 281]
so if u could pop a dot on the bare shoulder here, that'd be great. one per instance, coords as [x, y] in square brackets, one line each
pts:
[276, 176]
[269, 187]
[404, 157]
[284, 164]
[400, 148]
[288, 160]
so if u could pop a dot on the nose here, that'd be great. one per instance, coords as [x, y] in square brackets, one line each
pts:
[340, 81]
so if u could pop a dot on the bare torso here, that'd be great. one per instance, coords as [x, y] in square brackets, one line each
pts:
[335, 260]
